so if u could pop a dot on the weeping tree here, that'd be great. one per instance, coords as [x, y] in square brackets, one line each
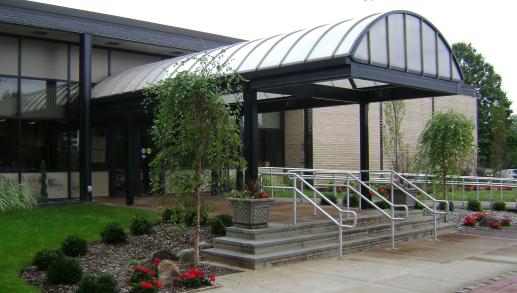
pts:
[446, 146]
[393, 144]
[194, 131]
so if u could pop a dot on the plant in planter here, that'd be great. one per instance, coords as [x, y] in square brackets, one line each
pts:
[251, 208]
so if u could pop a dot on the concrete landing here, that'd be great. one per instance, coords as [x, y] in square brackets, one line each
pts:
[453, 263]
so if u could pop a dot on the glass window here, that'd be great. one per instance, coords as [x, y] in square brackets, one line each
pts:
[269, 120]
[413, 44]
[99, 148]
[8, 147]
[361, 53]
[8, 97]
[44, 59]
[44, 140]
[396, 40]
[9, 55]
[378, 45]
[43, 99]
[429, 49]
[121, 61]
[99, 64]
[444, 60]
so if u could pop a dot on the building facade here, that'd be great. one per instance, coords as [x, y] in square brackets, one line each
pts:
[42, 79]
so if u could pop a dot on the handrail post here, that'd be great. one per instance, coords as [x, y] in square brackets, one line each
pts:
[501, 188]
[294, 199]
[334, 189]
[315, 196]
[271, 183]
[463, 194]
[491, 192]
[477, 188]
[435, 221]
[392, 212]
[340, 234]
[348, 194]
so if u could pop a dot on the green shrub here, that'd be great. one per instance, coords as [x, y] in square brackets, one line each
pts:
[114, 234]
[332, 198]
[14, 197]
[64, 271]
[441, 206]
[382, 204]
[418, 206]
[45, 257]
[474, 205]
[354, 201]
[190, 217]
[175, 215]
[101, 283]
[140, 227]
[74, 246]
[219, 223]
[499, 206]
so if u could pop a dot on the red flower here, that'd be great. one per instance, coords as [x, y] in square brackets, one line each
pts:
[155, 261]
[211, 277]
[147, 285]
[158, 284]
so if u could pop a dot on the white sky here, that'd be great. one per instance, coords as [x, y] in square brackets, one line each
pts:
[488, 25]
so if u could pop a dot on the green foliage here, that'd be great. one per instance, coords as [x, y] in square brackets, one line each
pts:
[74, 246]
[64, 271]
[498, 146]
[392, 136]
[487, 83]
[45, 257]
[512, 142]
[190, 217]
[354, 201]
[446, 146]
[140, 226]
[382, 204]
[441, 206]
[332, 198]
[418, 206]
[43, 182]
[473, 205]
[102, 283]
[175, 215]
[499, 206]
[219, 223]
[113, 234]
[13, 197]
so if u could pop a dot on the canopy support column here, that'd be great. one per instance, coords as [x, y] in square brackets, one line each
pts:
[251, 133]
[364, 150]
[85, 86]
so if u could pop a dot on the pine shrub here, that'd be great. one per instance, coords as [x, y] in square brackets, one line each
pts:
[45, 257]
[474, 205]
[499, 206]
[64, 271]
[140, 227]
[219, 223]
[114, 234]
[100, 283]
[74, 246]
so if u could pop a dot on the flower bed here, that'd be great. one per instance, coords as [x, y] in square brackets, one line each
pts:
[483, 219]
[118, 258]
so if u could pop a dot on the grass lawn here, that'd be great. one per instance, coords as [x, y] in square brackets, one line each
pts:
[26, 232]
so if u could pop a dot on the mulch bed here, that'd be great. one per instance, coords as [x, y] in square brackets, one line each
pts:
[117, 258]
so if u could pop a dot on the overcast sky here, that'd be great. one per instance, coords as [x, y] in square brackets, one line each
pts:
[488, 25]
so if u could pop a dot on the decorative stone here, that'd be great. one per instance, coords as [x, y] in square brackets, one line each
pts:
[204, 245]
[186, 254]
[251, 213]
[167, 270]
[163, 255]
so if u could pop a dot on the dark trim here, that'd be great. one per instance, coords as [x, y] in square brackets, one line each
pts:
[251, 133]
[85, 81]
[19, 114]
[307, 139]
[282, 143]
[381, 144]
[432, 105]
[296, 103]
[364, 155]
[109, 62]
[68, 128]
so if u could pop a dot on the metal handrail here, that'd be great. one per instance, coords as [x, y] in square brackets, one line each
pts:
[339, 223]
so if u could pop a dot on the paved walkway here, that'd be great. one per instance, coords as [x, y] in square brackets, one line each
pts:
[449, 265]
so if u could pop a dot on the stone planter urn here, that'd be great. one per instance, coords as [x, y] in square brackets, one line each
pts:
[251, 213]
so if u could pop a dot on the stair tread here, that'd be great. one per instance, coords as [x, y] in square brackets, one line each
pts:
[303, 250]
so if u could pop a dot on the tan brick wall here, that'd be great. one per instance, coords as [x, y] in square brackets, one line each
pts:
[294, 131]
[336, 130]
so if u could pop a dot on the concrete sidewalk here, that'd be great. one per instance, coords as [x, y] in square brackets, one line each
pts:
[449, 265]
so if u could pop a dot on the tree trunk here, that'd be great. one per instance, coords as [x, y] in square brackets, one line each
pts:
[198, 215]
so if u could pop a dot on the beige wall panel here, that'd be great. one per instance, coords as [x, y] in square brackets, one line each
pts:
[294, 149]
[9, 177]
[8, 55]
[100, 183]
[56, 186]
[336, 137]
[44, 59]
[99, 64]
[374, 135]
[121, 61]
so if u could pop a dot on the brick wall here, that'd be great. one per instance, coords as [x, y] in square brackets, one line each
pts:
[294, 148]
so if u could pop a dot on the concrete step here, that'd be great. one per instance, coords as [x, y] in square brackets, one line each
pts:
[314, 251]
[308, 239]
[276, 230]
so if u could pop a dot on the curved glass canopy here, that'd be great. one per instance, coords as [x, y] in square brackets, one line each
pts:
[398, 41]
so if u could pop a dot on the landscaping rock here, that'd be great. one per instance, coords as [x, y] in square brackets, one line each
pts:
[167, 270]
[186, 254]
[164, 254]
[204, 245]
